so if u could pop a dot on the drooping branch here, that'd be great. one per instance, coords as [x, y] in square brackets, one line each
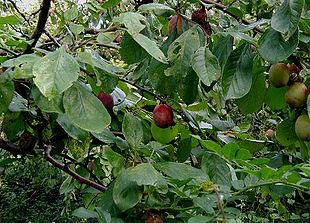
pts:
[19, 12]
[63, 167]
[223, 8]
[43, 16]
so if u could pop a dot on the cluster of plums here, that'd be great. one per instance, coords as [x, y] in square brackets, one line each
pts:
[162, 113]
[281, 75]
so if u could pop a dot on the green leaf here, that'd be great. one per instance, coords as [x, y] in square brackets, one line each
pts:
[217, 169]
[105, 136]
[275, 99]
[116, 160]
[273, 47]
[201, 219]
[126, 193]
[10, 20]
[294, 177]
[94, 59]
[106, 202]
[237, 73]
[157, 8]
[55, 73]
[222, 48]
[46, 105]
[258, 89]
[181, 171]
[134, 22]
[76, 28]
[72, 130]
[211, 145]
[6, 92]
[285, 133]
[132, 129]
[235, 11]
[232, 151]
[19, 103]
[240, 35]
[130, 51]
[103, 216]
[150, 47]
[306, 169]
[23, 59]
[181, 50]
[188, 87]
[206, 203]
[286, 18]
[110, 4]
[84, 109]
[13, 125]
[66, 186]
[84, 213]
[164, 135]
[206, 66]
[144, 174]
[184, 149]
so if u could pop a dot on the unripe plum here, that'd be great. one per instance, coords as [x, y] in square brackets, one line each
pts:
[107, 100]
[163, 116]
[296, 95]
[279, 75]
[302, 127]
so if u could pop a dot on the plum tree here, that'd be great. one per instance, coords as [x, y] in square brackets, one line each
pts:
[279, 75]
[302, 127]
[163, 116]
[296, 95]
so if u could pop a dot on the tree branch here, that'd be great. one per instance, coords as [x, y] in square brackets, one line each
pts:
[63, 167]
[223, 9]
[81, 165]
[43, 16]
[14, 149]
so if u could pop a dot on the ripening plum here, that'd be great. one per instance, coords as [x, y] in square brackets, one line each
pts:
[279, 75]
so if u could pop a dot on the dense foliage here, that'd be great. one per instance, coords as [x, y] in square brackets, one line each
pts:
[78, 88]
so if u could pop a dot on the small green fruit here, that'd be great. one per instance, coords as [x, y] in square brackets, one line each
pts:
[279, 75]
[302, 127]
[296, 95]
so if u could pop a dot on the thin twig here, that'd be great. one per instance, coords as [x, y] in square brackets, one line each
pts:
[9, 51]
[223, 8]
[52, 38]
[19, 12]
[81, 165]
[63, 167]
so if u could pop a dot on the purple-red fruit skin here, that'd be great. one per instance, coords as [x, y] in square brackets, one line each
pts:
[107, 100]
[163, 116]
